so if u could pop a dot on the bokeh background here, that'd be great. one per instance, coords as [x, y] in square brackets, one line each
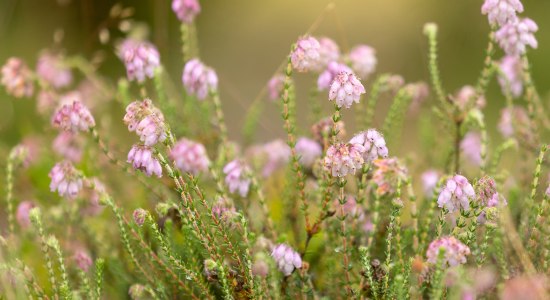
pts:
[246, 40]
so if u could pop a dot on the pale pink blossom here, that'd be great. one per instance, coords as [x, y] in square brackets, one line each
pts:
[190, 156]
[82, 260]
[277, 153]
[514, 37]
[147, 121]
[65, 179]
[141, 59]
[306, 55]
[308, 150]
[345, 90]
[456, 194]
[73, 117]
[467, 97]
[69, 145]
[333, 68]
[186, 10]
[471, 147]
[501, 12]
[510, 76]
[198, 79]
[139, 216]
[275, 87]
[22, 215]
[374, 144]
[17, 78]
[286, 259]
[236, 177]
[430, 178]
[454, 252]
[363, 60]
[50, 69]
[321, 130]
[142, 158]
[328, 52]
[343, 159]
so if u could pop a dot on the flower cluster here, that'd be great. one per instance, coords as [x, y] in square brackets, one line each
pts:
[147, 121]
[322, 129]
[73, 117]
[514, 122]
[456, 194]
[430, 178]
[328, 52]
[190, 156]
[236, 177]
[17, 78]
[140, 58]
[308, 150]
[514, 37]
[501, 12]
[345, 89]
[82, 260]
[333, 68]
[23, 211]
[198, 79]
[277, 153]
[487, 195]
[306, 55]
[343, 159]
[142, 158]
[471, 147]
[374, 144]
[65, 179]
[52, 71]
[510, 76]
[275, 87]
[455, 252]
[467, 97]
[286, 259]
[363, 60]
[186, 10]
[386, 175]
[69, 145]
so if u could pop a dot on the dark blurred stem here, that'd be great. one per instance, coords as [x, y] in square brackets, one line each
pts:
[458, 138]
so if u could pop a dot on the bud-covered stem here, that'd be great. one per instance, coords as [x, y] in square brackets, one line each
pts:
[414, 214]
[364, 253]
[9, 194]
[185, 41]
[345, 255]
[529, 212]
[396, 210]
[261, 198]
[220, 123]
[99, 267]
[486, 72]
[64, 289]
[532, 96]
[430, 30]
[36, 219]
[368, 116]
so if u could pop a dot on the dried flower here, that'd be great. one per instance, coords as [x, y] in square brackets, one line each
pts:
[236, 177]
[346, 89]
[22, 215]
[333, 68]
[286, 259]
[501, 12]
[343, 159]
[306, 55]
[456, 194]
[328, 52]
[147, 121]
[198, 79]
[471, 147]
[186, 10]
[363, 60]
[308, 150]
[141, 59]
[190, 156]
[65, 179]
[430, 178]
[17, 78]
[69, 145]
[386, 175]
[514, 37]
[321, 130]
[374, 144]
[455, 251]
[83, 260]
[275, 87]
[73, 117]
[510, 76]
[139, 216]
[50, 69]
[142, 158]
[488, 196]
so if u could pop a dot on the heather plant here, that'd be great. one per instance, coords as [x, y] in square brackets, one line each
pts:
[326, 211]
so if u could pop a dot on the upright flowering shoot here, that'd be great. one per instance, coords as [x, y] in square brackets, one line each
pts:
[306, 55]
[456, 194]
[342, 159]
[51, 70]
[501, 12]
[510, 75]
[142, 158]
[147, 121]
[286, 259]
[345, 89]
[198, 79]
[374, 144]
[186, 10]
[140, 58]
[454, 252]
[514, 37]
[65, 179]
[332, 70]
[73, 117]
[236, 177]
[190, 157]
[17, 78]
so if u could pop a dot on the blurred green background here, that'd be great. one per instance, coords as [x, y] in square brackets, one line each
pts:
[246, 40]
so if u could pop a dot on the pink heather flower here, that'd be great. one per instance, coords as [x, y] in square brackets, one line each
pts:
[223, 209]
[94, 195]
[65, 179]
[20, 155]
[328, 52]
[306, 56]
[236, 177]
[198, 79]
[73, 117]
[466, 98]
[457, 193]
[513, 121]
[186, 10]
[326, 78]
[17, 78]
[286, 259]
[455, 251]
[278, 154]
[510, 79]
[430, 178]
[46, 101]
[51, 69]
[69, 145]
[22, 215]
[190, 156]
[343, 159]
[141, 59]
[501, 12]
[139, 216]
[471, 147]
[70, 97]
[275, 87]
[374, 144]
[514, 37]
[146, 120]
[532, 287]
[363, 60]
[322, 129]
[487, 196]
[346, 89]
[142, 158]
[386, 175]
[82, 260]
[308, 150]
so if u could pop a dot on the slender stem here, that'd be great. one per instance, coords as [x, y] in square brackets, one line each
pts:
[345, 258]
[36, 219]
[458, 139]
[9, 195]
